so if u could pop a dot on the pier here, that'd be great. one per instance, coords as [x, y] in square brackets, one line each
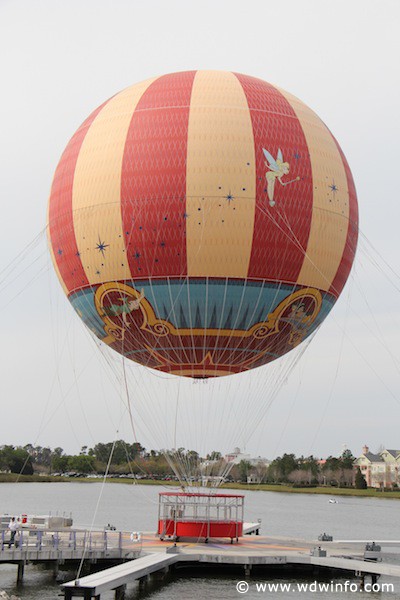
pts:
[55, 547]
[252, 556]
[117, 578]
[121, 558]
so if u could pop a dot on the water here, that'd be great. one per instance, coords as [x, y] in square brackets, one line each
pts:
[134, 507]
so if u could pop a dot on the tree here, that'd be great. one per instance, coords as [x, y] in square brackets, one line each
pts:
[260, 470]
[30, 449]
[244, 468]
[360, 482]
[332, 464]
[347, 479]
[16, 460]
[300, 476]
[192, 455]
[102, 452]
[281, 467]
[60, 463]
[42, 456]
[330, 477]
[214, 455]
[136, 449]
[309, 464]
[81, 463]
[22, 462]
[347, 459]
[122, 452]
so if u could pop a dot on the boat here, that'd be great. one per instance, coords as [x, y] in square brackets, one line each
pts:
[37, 521]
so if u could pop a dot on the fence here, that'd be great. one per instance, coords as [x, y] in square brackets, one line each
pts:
[76, 540]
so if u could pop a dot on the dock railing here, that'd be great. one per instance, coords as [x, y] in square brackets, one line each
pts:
[115, 542]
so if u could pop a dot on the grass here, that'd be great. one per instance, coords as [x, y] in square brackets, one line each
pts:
[14, 478]
[328, 491]
[262, 487]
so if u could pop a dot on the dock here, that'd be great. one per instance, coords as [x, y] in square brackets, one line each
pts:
[67, 546]
[122, 558]
[117, 578]
[251, 557]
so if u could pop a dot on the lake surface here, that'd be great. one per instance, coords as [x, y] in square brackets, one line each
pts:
[134, 508]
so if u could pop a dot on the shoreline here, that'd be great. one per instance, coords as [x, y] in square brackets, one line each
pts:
[262, 487]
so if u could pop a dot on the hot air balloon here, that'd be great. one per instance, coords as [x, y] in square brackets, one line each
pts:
[203, 223]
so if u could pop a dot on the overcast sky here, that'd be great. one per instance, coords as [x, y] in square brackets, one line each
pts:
[60, 60]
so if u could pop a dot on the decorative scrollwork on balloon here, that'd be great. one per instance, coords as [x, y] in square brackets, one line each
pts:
[161, 328]
[125, 311]
[121, 308]
[131, 323]
[116, 333]
[261, 332]
[295, 313]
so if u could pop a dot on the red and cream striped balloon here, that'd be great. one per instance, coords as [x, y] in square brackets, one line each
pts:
[203, 223]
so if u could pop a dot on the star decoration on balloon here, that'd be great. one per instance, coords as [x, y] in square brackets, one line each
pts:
[333, 186]
[101, 246]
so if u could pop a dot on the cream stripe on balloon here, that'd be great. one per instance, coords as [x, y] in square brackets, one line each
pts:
[97, 187]
[220, 178]
[330, 212]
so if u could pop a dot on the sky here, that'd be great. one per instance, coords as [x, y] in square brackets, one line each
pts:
[60, 60]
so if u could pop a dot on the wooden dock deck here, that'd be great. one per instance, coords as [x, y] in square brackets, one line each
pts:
[125, 559]
[252, 554]
[117, 578]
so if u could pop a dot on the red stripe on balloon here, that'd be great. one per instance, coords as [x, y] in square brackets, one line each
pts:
[352, 234]
[281, 231]
[61, 221]
[153, 183]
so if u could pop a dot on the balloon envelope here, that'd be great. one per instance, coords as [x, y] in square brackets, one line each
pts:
[203, 223]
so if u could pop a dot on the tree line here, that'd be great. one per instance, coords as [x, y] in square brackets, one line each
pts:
[134, 459]
[306, 471]
[125, 458]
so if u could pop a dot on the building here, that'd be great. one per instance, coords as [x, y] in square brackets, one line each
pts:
[257, 465]
[380, 470]
[236, 457]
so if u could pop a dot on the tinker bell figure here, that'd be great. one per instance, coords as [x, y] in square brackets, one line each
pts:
[277, 169]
